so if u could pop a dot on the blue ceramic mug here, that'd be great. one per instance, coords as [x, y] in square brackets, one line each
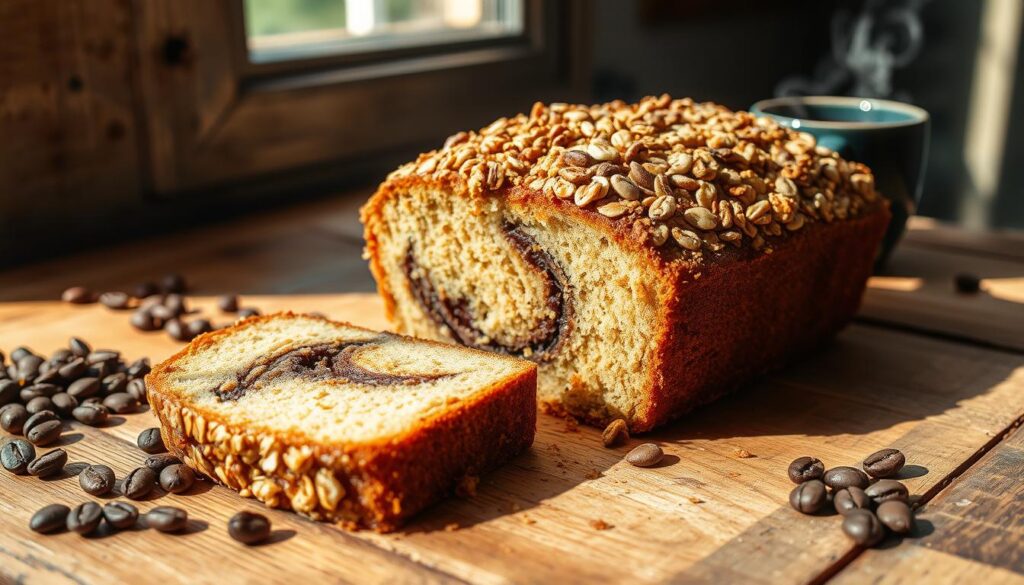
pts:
[890, 137]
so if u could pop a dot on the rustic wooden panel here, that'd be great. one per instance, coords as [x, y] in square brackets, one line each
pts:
[534, 520]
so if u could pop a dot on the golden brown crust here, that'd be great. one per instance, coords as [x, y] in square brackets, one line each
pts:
[373, 485]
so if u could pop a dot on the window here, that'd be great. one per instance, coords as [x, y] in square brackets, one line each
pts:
[278, 30]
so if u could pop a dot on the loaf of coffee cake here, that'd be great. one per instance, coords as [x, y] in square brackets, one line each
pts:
[337, 422]
[648, 257]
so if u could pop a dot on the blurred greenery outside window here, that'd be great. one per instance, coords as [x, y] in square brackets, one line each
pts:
[280, 30]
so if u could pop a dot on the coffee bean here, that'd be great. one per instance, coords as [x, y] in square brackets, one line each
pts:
[20, 352]
[44, 389]
[121, 403]
[177, 330]
[145, 320]
[896, 516]
[884, 463]
[248, 312]
[177, 478]
[162, 314]
[120, 515]
[79, 347]
[167, 519]
[28, 369]
[97, 480]
[863, 527]
[884, 490]
[139, 483]
[808, 497]
[83, 388]
[646, 455]
[144, 289]
[38, 418]
[13, 418]
[197, 327]
[967, 283]
[16, 455]
[64, 404]
[39, 404]
[851, 498]
[616, 433]
[44, 433]
[151, 442]
[100, 356]
[137, 388]
[228, 303]
[49, 463]
[73, 370]
[50, 519]
[138, 368]
[176, 304]
[173, 283]
[48, 373]
[78, 295]
[114, 383]
[843, 476]
[159, 462]
[9, 390]
[85, 518]
[249, 528]
[91, 414]
[116, 300]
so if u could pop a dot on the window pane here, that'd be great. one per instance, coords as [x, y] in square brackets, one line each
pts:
[278, 30]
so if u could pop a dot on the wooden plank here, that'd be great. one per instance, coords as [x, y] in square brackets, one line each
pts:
[917, 291]
[972, 528]
[999, 243]
[534, 520]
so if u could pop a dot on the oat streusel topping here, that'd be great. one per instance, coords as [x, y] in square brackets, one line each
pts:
[696, 176]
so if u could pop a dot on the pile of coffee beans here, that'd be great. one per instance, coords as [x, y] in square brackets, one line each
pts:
[76, 382]
[88, 517]
[160, 306]
[871, 503]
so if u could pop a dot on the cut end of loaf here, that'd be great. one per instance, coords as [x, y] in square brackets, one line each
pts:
[338, 422]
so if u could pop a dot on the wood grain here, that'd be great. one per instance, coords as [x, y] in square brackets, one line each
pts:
[534, 520]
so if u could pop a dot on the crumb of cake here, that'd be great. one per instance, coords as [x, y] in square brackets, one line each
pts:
[744, 454]
[600, 525]
[695, 500]
[451, 527]
[592, 474]
[528, 521]
[466, 487]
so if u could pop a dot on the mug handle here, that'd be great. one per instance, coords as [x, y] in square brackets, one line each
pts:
[836, 143]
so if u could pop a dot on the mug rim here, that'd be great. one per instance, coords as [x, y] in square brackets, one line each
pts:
[917, 114]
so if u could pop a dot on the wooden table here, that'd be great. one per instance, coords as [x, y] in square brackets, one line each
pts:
[937, 374]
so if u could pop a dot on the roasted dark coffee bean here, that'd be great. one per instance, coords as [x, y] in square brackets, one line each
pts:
[16, 455]
[97, 480]
[161, 314]
[144, 320]
[83, 388]
[9, 391]
[114, 383]
[100, 356]
[167, 519]
[851, 498]
[121, 403]
[78, 295]
[137, 388]
[62, 355]
[646, 455]
[39, 404]
[38, 418]
[50, 519]
[176, 304]
[151, 442]
[44, 389]
[120, 515]
[139, 483]
[85, 518]
[248, 312]
[13, 417]
[249, 528]
[20, 352]
[177, 330]
[91, 414]
[64, 403]
[884, 490]
[177, 478]
[863, 527]
[73, 370]
[160, 462]
[79, 347]
[896, 516]
[884, 463]
[138, 368]
[173, 283]
[44, 433]
[145, 289]
[967, 283]
[197, 327]
[808, 497]
[116, 300]
[228, 303]
[49, 463]
[843, 476]
[27, 394]
[48, 374]
[28, 368]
